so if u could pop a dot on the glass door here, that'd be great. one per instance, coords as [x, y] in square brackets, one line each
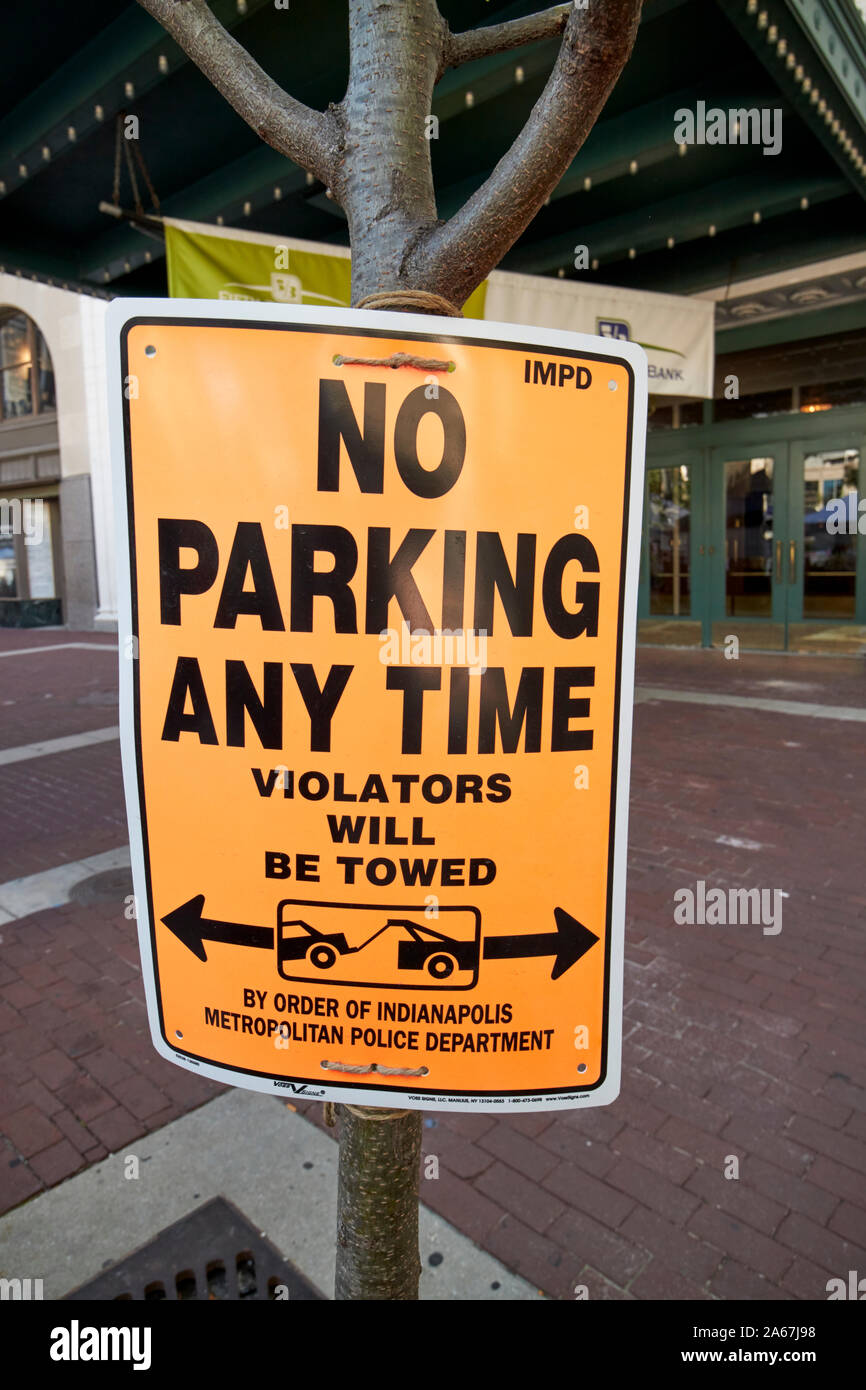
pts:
[748, 597]
[671, 589]
[826, 549]
[790, 567]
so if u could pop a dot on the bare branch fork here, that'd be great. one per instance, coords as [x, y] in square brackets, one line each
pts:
[500, 38]
[596, 44]
[372, 149]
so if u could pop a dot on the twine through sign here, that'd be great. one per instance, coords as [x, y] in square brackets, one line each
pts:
[404, 301]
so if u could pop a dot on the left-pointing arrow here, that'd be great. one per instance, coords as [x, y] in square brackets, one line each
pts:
[190, 927]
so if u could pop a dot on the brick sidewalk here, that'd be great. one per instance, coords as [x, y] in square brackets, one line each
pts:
[737, 1043]
[78, 1075]
[68, 805]
[47, 695]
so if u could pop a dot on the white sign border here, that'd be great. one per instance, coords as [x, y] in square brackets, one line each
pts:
[120, 313]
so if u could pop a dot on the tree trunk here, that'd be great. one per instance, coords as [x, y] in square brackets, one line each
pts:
[385, 181]
[380, 1153]
[377, 1204]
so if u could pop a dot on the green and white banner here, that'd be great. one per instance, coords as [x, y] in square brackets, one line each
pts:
[207, 262]
[675, 331]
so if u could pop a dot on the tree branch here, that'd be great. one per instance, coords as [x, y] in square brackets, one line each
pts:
[499, 38]
[453, 258]
[310, 138]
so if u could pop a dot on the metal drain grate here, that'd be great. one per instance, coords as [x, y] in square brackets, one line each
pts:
[112, 885]
[214, 1253]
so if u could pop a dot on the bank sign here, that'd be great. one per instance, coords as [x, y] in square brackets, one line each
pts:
[670, 371]
[377, 636]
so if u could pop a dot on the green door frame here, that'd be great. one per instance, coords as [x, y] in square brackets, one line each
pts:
[693, 460]
[777, 450]
[800, 450]
[795, 433]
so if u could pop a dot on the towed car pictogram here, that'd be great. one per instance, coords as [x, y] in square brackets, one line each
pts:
[382, 949]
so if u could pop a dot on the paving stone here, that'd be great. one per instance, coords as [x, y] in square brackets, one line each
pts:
[737, 1043]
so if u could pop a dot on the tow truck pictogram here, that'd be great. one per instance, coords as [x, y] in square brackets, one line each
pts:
[440, 955]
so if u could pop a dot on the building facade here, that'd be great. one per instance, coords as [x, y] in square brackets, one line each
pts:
[754, 523]
[56, 525]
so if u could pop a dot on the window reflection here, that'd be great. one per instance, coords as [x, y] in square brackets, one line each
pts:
[669, 531]
[8, 575]
[830, 533]
[749, 537]
[26, 373]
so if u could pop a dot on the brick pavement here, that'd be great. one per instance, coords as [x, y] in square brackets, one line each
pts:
[737, 1044]
[47, 695]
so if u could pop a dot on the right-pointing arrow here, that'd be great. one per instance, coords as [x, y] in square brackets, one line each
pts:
[568, 943]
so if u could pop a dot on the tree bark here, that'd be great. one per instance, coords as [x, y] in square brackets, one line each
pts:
[501, 38]
[384, 180]
[377, 1205]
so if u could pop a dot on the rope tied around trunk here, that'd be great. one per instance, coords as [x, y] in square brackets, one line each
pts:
[369, 1112]
[405, 302]
[409, 301]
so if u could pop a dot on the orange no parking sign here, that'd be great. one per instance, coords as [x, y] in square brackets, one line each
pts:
[377, 631]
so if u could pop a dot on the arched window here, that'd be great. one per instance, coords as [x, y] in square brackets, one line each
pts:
[26, 373]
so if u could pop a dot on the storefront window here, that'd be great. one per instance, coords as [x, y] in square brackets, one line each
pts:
[814, 399]
[830, 530]
[669, 540]
[681, 416]
[749, 537]
[46, 375]
[41, 581]
[754, 407]
[661, 417]
[26, 373]
[691, 413]
[8, 567]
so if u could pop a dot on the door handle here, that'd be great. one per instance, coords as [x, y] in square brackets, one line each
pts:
[778, 562]
[792, 562]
